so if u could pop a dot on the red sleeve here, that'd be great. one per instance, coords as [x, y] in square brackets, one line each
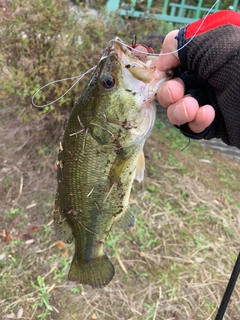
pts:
[213, 21]
[210, 70]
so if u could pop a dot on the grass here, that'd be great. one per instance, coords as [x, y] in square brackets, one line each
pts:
[174, 264]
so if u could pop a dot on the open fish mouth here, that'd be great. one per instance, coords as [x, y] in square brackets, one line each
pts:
[138, 69]
[140, 64]
[130, 55]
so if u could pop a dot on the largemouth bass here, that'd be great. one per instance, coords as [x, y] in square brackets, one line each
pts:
[101, 154]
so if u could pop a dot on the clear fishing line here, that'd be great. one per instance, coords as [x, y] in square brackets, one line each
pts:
[175, 51]
[79, 77]
[165, 54]
[55, 81]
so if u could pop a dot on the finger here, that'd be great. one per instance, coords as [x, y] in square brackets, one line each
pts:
[203, 119]
[168, 57]
[185, 110]
[140, 52]
[170, 92]
[188, 111]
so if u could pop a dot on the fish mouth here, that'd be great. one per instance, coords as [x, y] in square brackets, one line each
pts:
[131, 55]
[139, 70]
[141, 65]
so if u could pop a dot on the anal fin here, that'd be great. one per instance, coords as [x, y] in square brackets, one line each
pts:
[127, 220]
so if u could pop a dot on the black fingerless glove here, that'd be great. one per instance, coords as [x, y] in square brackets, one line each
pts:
[210, 69]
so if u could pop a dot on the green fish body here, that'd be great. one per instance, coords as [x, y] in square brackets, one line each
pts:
[99, 157]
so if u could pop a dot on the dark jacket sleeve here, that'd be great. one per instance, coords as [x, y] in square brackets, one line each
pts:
[210, 69]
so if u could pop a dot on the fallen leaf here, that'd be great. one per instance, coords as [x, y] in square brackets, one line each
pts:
[20, 313]
[34, 229]
[30, 241]
[7, 236]
[64, 255]
[2, 256]
[94, 316]
[61, 245]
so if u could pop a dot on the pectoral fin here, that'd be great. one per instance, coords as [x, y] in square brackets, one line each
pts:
[120, 164]
[140, 167]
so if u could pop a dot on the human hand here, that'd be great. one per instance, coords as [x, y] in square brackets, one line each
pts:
[181, 108]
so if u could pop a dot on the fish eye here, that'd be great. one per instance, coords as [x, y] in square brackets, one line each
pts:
[108, 81]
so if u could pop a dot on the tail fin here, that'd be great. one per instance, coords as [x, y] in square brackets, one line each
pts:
[96, 273]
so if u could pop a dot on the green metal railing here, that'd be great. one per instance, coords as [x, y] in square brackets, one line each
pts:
[173, 12]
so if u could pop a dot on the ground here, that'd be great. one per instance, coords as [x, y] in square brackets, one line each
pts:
[174, 264]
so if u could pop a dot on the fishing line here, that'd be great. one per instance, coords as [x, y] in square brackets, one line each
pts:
[164, 54]
[79, 77]
[194, 35]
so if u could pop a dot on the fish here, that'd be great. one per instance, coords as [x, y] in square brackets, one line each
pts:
[100, 155]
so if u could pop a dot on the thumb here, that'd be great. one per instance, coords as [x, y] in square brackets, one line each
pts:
[168, 57]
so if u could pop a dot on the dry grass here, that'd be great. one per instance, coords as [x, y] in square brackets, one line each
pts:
[175, 263]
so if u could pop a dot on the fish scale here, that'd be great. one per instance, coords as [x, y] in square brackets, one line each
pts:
[99, 158]
[93, 215]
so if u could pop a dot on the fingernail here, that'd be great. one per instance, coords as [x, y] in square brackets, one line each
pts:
[164, 96]
[167, 93]
[180, 112]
